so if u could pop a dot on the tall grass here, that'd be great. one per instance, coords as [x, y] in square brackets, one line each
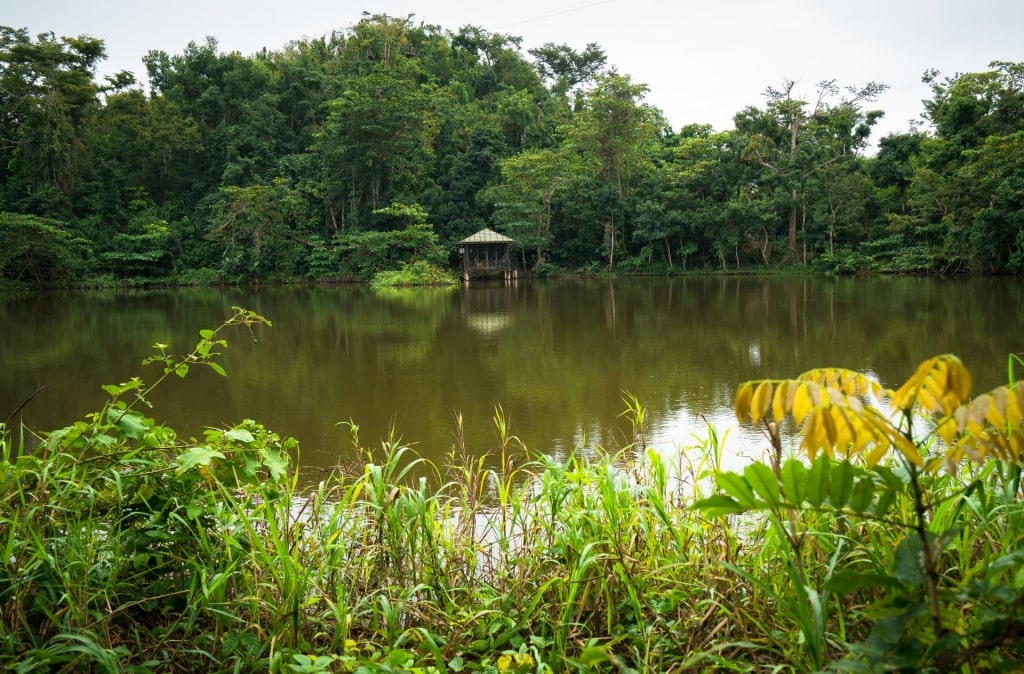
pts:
[128, 549]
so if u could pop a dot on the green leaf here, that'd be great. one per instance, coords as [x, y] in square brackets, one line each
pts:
[891, 486]
[884, 502]
[144, 492]
[863, 492]
[889, 476]
[250, 468]
[115, 390]
[206, 334]
[718, 506]
[239, 435]
[841, 484]
[818, 481]
[764, 483]
[843, 582]
[794, 480]
[399, 657]
[906, 561]
[131, 424]
[218, 369]
[275, 462]
[734, 485]
[196, 456]
[1010, 560]
[181, 370]
[594, 655]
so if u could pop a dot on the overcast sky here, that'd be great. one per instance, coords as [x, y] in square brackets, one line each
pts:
[703, 61]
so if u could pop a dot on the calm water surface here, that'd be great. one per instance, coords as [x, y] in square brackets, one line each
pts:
[556, 357]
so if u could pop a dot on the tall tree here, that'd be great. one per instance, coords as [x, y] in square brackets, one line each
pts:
[262, 230]
[467, 171]
[377, 145]
[523, 200]
[46, 94]
[699, 171]
[613, 133]
[965, 193]
[38, 249]
[793, 140]
[565, 68]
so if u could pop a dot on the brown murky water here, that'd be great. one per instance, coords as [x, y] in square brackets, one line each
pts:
[555, 357]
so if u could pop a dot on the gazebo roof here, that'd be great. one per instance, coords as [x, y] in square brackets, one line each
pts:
[487, 236]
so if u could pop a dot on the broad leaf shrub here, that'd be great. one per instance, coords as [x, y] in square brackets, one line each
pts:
[114, 524]
[923, 463]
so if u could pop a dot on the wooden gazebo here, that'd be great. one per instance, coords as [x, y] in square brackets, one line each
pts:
[486, 253]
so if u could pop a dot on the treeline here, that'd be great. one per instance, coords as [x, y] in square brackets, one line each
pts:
[392, 140]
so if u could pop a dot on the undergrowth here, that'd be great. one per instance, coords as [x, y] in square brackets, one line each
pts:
[126, 548]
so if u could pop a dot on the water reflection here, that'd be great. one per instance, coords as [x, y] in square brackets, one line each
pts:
[488, 308]
[554, 359]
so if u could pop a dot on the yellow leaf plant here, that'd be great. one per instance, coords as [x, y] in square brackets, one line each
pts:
[837, 412]
[840, 412]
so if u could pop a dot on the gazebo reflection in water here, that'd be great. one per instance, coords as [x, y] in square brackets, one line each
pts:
[488, 307]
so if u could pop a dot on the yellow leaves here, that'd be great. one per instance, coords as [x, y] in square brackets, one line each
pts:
[515, 662]
[805, 399]
[826, 403]
[761, 399]
[829, 406]
[843, 425]
[990, 425]
[755, 399]
[939, 386]
[742, 403]
[783, 399]
[849, 382]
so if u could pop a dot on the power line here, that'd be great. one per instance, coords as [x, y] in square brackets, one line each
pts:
[558, 13]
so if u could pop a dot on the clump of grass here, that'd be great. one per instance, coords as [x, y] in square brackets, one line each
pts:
[417, 273]
[128, 549]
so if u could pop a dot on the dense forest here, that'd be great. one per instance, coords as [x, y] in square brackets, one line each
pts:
[390, 141]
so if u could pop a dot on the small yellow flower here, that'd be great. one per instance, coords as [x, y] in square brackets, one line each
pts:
[524, 659]
[504, 662]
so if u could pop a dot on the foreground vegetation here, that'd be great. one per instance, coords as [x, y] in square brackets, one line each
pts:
[390, 141]
[128, 549]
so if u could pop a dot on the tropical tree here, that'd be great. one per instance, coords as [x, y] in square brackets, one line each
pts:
[793, 141]
[40, 250]
[262, 230]
[137, 147]
[377, 144]
[523, 199]
[613, 134]
[839, 195]
[565, 68]
[47, 93]
[700, 172]
[467, 169]
[967, 189]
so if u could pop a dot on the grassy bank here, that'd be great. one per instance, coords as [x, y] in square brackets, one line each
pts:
[128, 549]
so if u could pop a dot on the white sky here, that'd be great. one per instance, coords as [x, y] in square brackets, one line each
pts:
[703, 61]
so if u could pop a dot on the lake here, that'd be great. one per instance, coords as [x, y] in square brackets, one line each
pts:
[556, 357]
